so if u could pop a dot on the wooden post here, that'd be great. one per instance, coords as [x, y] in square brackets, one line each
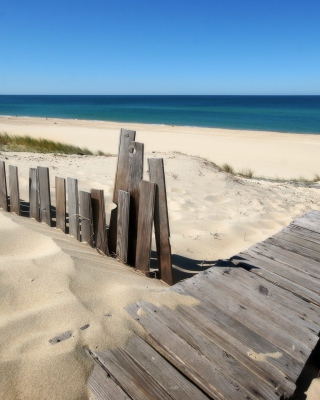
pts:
[44, 194]
[123, 225]
[14, 190]
[73, 208]
[3, 187]
[145, 223]
[161, 220]
[136, 153]
[60, 203]
[121, 182]
[99, 220]
[34, 194]
[86, 217]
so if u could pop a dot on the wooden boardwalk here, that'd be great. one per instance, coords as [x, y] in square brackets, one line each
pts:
[254, 328]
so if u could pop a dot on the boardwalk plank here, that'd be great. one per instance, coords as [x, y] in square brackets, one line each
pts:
[44, 195]
[305, 234]
[14, 190]
[60, 203]
[3, 187]
[292, 237]
[123, 225]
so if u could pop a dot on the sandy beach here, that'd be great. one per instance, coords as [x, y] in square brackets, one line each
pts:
[50, 283]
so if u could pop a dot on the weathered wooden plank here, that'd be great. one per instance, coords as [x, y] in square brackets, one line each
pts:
[121, 182]
[44, 195]
[99, 220]
[123, 225]
[60, 184]
[303, 233]
[34, 194]
[161, 220]
[306, 224]
[297, 239]
[176, 385]
[3, 187]
[73, 208]
[86, 217]
[103, 387]
[145, 223]
[14, 190]
[136, 154]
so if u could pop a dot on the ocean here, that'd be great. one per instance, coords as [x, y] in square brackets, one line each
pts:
[296, 114]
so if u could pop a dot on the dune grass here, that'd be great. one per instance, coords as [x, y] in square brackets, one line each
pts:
[27, 143]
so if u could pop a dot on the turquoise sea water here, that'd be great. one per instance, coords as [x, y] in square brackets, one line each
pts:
[296, 114]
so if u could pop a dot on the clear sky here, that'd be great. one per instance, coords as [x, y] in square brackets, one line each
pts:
[160, 47]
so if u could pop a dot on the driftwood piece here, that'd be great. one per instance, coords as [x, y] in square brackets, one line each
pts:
[145, 223]
[161, 220]
[136, 153]
[34, 194]
[14, 190]
[60, 338]
[44, 194]
[99, 220]
[86, 217]
[61, 204]
[3, 187]
[123, 225]
[121, 182]
[73, 208]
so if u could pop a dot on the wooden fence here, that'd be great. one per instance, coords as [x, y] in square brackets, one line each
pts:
[140, 205]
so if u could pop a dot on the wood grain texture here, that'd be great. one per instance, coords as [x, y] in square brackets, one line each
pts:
[121, 183]
[123, 225]
[161, 220]
[3, 187]
[86, 218]
[145, 223]
[34, 194]
[44, 195]
[14, 190]
[136, 156]
[73, 208]
[99, 221]
[61, 204]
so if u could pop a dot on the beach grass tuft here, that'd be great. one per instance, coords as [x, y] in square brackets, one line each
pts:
[27, 143]
[228, 168]
[246, 173]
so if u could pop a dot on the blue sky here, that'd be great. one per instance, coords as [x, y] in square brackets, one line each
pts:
[160, 47]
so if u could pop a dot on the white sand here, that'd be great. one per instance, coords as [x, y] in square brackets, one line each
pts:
[51, 284]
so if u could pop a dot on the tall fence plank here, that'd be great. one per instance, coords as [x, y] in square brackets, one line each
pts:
[121, 182]
[44, 195]
[86, 218]
[3, 187]
[145, 223]
[99, 220]
[123, 225]
[34, 194]
[161, 220]
[73, 208]
[136, 154]
[14, 190]
[60, 203]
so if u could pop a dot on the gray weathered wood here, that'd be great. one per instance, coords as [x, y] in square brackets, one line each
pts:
[61, 203]
[44, 195]
[14, 190]
[34, 194]
[123, 225]
[3, 187]
[99, 220]
[161, 220]
[121, 183]
[136, 155]
[73, 208]
[60, 338]
[292, 237]
[145, 223]
[86, 217]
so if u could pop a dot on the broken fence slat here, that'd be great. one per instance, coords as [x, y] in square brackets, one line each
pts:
[34, 194]
[123, 225]
[86, 217]
[3, 187]
[161, 220]
[145, 223]
[14, 190]
[73, 208]
[99, 220]
[44, 194]
[60, 203]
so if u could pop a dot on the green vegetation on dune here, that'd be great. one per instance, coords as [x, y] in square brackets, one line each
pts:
[27, 143]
